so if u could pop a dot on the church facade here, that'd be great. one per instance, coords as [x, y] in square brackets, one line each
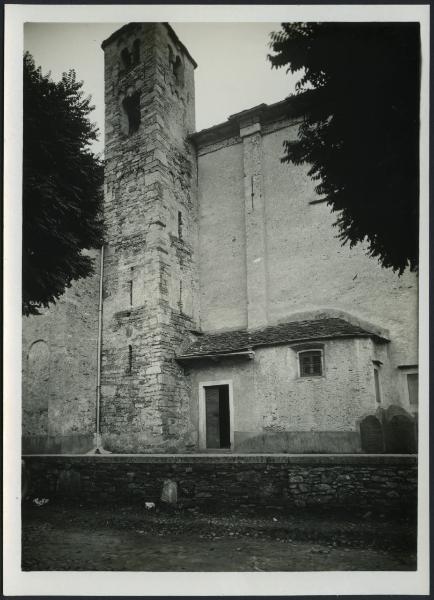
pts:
[223, 314]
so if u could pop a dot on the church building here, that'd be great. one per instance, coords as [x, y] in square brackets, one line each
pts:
[223, 316]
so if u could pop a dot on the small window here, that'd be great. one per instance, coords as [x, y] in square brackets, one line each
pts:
[130, 292]
[412, 385]
[136, 52]
[178, 70]
[130, 360]
[180, 225]
[131, 107]
[126, 58]
[180, 295]
[377, 386]
[311, 363]
[177, 67]
[170, 55]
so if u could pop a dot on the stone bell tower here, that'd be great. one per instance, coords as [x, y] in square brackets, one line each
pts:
[150, 213]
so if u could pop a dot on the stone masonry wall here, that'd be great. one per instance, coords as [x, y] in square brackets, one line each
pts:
[151, 233]
[366, 481]
[59, 365]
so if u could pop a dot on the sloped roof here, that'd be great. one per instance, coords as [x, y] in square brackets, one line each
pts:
[294, 331]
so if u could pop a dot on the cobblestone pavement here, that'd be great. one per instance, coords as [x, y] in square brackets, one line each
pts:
[61, 538]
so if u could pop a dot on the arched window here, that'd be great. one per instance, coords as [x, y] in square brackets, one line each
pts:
[136, 52]
[177, 66]
[131, 107]
[170, 55]
[36, 391]
[178, 69]
[126, 58]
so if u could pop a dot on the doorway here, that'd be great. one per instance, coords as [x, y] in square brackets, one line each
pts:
[215, 415]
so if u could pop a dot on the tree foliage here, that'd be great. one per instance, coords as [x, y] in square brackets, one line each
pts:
[62, 186]
[359, 101]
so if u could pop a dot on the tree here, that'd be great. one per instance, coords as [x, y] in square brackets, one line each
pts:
[62, 186]
[359, 101]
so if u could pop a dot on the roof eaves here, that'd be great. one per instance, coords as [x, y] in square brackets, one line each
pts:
[267, 113]
[288, 340]
[216, 355]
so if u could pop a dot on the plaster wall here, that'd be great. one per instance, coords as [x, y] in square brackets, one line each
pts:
[306, 266]
[309, 269]
[222, 244]
[254, 274]
[277, 410]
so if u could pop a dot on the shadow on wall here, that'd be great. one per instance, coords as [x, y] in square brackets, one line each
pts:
[392, 431]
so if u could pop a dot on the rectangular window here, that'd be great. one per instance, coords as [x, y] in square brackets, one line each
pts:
[413, 393]
[179, 225]
[377, 386]
[311, 364]
[130, 359]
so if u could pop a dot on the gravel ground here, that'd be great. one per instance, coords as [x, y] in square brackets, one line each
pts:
[58, 537]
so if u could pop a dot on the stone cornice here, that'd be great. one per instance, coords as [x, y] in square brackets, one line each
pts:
[262, 114]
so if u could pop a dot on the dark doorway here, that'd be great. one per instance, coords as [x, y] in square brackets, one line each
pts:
[218, 430]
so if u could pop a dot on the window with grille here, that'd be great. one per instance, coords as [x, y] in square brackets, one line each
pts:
[311, 363]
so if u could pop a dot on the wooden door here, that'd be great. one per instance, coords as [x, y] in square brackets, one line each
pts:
[212, 405]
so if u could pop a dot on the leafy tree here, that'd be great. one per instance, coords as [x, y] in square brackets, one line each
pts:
[358, 97]
[62, 186]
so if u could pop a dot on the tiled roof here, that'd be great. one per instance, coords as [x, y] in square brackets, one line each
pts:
[294, 331]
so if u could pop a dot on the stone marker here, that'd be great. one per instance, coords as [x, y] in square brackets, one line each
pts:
[169, 493]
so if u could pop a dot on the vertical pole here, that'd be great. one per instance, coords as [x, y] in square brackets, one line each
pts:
[98, 366]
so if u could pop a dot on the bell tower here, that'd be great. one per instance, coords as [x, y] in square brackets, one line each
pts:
[150, 215]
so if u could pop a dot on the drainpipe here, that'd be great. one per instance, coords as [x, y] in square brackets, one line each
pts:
[98, 449]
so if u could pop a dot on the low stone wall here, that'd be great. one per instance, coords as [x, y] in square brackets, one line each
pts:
[276, 480]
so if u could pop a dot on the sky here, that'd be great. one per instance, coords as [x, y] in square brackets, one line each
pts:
[232, 74]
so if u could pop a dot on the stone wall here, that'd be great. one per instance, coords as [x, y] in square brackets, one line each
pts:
[150, 217]
[366, 481]
[59, 366]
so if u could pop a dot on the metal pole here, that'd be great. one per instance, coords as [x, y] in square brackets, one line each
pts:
[98, 367]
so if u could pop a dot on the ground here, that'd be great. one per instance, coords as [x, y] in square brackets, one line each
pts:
[61, 537]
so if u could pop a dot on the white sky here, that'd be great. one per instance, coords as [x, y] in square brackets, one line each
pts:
[233, 72]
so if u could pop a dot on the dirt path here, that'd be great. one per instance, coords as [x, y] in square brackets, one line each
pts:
[77, 539]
